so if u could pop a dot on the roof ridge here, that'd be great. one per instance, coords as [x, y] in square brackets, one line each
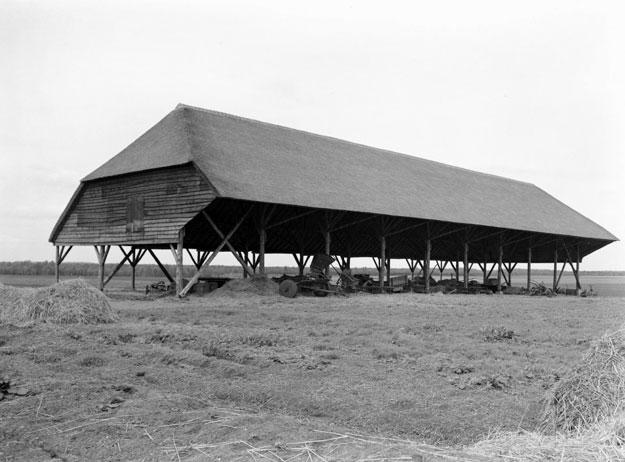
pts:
[353, 143]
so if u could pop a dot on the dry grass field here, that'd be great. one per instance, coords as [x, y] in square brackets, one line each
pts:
[242, 376]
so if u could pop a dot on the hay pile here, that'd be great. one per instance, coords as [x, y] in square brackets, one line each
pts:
[257, 285]
[67, 302]
[593, 391]
[584, 414]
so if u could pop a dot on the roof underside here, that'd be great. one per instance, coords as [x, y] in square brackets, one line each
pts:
[254, 161]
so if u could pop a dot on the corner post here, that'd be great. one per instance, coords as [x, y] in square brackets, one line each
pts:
[57, 263]
[578, 285]
[179, 262]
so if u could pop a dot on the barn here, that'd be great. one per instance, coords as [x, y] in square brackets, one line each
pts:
[200, 182]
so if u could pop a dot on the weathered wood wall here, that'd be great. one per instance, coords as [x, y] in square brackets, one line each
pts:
[142, 208]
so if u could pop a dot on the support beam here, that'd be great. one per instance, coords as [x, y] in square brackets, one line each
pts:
[210, 259]
[161, 266]
[485, 268]
[352, 223]
[293, 218]
[529, 267]
[328, 245]
[560, 274]
[381, 268]
[114, 272]
[441, 265]
[221, 236]
[575, 268]
[302, 261]
[577, 279]
[60, 254]
[456, 268]
[102, 252]
[343, 262]
[199, 258]
[412, 265]
[465, 262]
[499, 264]
[555, 269]
[426, 265]
[262, 242]
[405, 228]
[509, 269]
[178, 253]
[136, 258]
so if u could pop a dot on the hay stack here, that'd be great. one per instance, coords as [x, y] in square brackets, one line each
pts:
[592, 392]
[73, 301]
[584, 414]
[257, 285]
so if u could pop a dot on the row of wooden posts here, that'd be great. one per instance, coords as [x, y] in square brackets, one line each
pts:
[256, 262]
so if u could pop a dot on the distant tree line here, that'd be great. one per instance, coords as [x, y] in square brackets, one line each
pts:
[46, 268]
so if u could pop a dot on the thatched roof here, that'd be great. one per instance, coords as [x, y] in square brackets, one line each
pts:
[256, 161]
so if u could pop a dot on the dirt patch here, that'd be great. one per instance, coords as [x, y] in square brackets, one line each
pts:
[234, 377]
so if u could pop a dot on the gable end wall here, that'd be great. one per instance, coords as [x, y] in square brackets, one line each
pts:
[169, 197]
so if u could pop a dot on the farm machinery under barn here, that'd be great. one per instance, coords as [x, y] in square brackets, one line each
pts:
[318, 282]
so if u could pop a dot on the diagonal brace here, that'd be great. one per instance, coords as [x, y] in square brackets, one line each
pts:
[225, 240]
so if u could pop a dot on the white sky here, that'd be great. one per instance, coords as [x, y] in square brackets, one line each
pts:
[531, 90]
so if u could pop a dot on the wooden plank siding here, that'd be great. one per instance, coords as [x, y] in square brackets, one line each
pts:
[147, 207]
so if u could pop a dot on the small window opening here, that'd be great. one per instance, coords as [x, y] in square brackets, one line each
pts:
[134, 214]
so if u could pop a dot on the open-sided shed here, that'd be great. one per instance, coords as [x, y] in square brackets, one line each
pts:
[202, 181]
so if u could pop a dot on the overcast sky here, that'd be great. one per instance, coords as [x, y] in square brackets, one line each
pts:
[533, 91]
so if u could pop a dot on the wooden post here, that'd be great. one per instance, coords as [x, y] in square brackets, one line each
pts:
[100, 267]
[499, 263]
[382, 269]
[555, 269]
[485, 268]
[388, 271]
[328, 241]
[465, 262]
[61, 252]
[246, 257]
[529, 268]
[102, 252]
[133, 266]
[178, 253]
[457, 268]
[209, 260]
[261, 251]
[133, 258]
[57, 262]
[578, 284]
[426, 265]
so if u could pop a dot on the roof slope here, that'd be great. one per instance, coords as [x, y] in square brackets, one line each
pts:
[251, 160]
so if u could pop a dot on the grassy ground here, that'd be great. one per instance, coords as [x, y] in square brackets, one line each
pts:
[247, 377]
